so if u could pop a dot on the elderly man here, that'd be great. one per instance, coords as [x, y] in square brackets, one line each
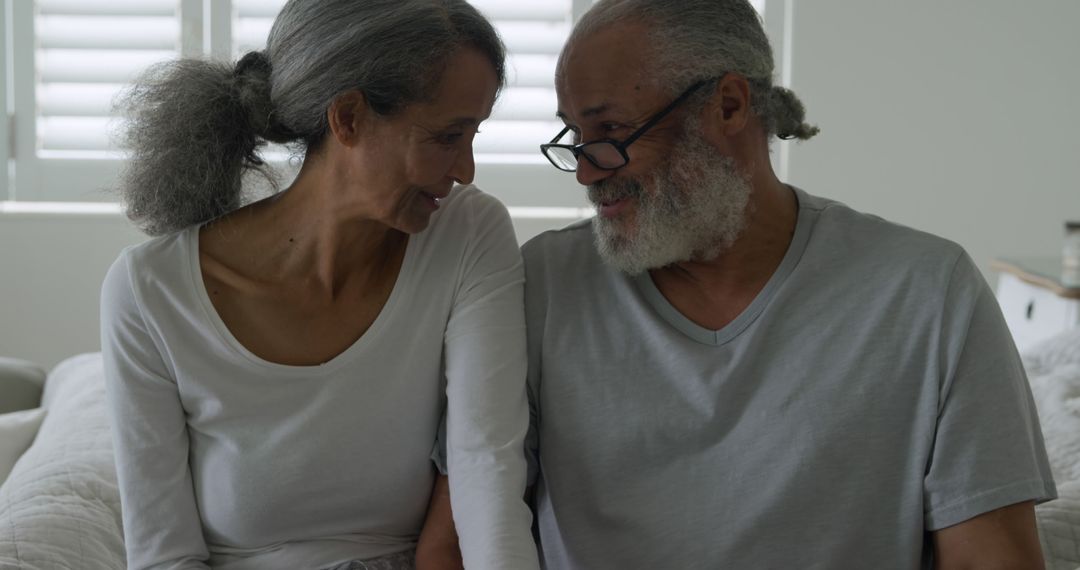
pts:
[728, 372]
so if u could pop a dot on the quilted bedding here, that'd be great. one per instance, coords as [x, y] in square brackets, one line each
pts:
[60, 507]
[1053, 369]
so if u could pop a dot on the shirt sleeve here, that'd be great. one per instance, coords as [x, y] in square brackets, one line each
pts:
[162, 528]
[988, 449]
[487, 410]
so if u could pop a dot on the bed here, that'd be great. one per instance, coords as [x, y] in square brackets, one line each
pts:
[60, 507]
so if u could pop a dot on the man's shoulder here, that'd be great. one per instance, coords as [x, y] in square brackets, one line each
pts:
[564, 245]
[845, 232]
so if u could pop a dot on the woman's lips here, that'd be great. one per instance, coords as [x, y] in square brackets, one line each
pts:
[430, 200]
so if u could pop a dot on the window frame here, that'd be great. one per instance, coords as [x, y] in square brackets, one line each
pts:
[6, 134]
[23, 103]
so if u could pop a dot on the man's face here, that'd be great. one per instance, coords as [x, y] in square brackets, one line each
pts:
[677, 199]
[691, 208]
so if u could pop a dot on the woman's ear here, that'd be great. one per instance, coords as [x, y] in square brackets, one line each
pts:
[347, 117]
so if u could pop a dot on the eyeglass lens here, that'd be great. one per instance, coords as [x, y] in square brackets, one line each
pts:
[562, 157]
[603, 154]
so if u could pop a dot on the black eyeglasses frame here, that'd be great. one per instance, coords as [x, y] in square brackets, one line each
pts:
[578, 150]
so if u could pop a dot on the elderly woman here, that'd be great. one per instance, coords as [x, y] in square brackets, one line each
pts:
[277, 372]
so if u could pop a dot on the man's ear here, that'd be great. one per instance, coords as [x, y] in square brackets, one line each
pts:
[728, 110]
[347, 117]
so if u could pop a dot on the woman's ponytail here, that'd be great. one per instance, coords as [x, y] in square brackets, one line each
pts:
[194, 129]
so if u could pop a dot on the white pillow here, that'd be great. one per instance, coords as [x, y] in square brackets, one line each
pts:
[1055, 352]
[17, 432]
[1057, 397]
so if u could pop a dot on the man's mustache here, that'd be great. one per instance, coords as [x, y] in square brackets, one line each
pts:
[610, 190]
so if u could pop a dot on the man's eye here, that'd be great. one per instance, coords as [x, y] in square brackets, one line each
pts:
[611, 127]
[450, 139]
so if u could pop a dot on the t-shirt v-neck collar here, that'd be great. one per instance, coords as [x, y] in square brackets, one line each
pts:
[803, 226]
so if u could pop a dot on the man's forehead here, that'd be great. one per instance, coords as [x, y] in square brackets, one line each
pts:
[602, 73]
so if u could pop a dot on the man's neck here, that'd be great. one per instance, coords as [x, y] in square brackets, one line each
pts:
[713, 292]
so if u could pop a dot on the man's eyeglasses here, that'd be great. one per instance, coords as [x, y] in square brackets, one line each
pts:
[606, 154]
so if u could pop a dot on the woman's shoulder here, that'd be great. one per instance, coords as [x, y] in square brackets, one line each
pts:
[165, 252]
[160, 260]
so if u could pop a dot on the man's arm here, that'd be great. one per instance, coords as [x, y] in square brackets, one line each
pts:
[1005, 538]
[438, 548]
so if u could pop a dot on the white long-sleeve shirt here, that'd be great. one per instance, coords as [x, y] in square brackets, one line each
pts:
[230, 461]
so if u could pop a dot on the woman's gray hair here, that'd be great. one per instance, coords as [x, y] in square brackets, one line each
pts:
[195, 127]
[692, 40]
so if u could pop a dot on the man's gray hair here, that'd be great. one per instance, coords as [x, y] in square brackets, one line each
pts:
[195, 127]
[692, 40]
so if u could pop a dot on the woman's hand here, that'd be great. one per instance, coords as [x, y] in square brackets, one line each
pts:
[438, 547]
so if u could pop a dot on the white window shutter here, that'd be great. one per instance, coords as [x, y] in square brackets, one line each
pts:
[534, 32]
[70, 60]
[87, 52]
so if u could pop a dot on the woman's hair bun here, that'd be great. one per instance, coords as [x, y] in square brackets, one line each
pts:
[253, 62]
[252, 83]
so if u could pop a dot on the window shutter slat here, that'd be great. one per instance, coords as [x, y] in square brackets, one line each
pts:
[108, 7]
[532, 70]
[533, 37]
[515, 137]
[525, 104]
[95, 66]
[76, 133]
[250, 33]
[77, 99]
[258, 8]
[107, 32]
[551, 11]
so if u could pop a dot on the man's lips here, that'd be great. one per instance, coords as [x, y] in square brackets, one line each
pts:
[612, 208]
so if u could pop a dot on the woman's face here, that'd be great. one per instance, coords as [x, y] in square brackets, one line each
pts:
[411, 160]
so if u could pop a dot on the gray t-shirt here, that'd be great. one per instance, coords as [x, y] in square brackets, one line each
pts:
[871, 393]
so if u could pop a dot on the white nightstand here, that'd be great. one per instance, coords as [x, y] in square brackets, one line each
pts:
[1036, 300]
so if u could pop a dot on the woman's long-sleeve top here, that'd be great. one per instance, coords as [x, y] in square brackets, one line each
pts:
[230, 461]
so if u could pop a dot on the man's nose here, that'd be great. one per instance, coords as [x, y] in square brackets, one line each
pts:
[588, 173]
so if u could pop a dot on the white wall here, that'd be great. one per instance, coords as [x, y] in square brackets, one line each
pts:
[957, 117]
[51, 268]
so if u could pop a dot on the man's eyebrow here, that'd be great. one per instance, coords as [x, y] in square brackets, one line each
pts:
[590, 112]
[462, 122]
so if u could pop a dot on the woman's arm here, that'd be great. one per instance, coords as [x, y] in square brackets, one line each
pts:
[438, 546]
[162, 529]
[487, 409]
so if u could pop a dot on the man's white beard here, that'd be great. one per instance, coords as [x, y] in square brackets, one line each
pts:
[692, 209]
